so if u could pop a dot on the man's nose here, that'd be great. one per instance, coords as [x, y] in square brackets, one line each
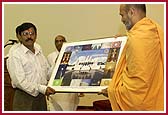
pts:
[28, 36]
[59, 42]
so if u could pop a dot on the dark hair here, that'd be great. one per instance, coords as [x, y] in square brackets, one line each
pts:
[26, 26]
[141, 7]
[17, 30]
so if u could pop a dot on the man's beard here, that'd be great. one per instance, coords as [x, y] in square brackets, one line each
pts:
[128, 25]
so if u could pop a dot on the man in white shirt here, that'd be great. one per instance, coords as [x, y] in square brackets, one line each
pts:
[61, 101]
[29, 69]
[52, 57]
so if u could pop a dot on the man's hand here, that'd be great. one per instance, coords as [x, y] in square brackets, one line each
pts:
[119, 35]
[49, 91]
[81, 95]
[104, 92]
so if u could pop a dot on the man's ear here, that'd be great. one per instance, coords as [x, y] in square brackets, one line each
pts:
[132, 11]
[19, 37]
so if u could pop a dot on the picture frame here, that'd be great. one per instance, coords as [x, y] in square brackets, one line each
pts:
[86, 66]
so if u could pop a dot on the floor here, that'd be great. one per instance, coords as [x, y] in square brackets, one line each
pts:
[85, 108]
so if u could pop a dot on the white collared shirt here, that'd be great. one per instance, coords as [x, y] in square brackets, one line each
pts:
[28, 71]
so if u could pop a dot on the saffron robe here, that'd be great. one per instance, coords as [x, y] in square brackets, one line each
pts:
[138, 81]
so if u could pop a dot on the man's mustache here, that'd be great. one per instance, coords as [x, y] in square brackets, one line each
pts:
[28, 39]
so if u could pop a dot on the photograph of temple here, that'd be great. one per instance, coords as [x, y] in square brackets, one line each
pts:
[87, 64]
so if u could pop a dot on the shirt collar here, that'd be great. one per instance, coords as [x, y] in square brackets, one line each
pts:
[26, 50]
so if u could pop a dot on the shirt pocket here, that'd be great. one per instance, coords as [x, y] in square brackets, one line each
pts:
[28, 67]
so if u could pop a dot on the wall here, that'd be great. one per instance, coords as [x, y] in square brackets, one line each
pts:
[75, 21]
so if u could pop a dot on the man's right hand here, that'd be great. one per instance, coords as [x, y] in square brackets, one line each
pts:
[119, 35]
[104, 92]
[49, 91]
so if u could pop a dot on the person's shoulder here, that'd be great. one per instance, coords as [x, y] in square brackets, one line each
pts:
[144, 25]
[52, 54]
[15, 50]
[14, 47]
[36, 45]
[38, 48]
[148, 21]
[156, 24]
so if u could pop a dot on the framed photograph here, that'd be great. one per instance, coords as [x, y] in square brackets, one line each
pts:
[86, 66]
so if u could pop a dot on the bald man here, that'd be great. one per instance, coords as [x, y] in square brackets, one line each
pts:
[138, 81]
